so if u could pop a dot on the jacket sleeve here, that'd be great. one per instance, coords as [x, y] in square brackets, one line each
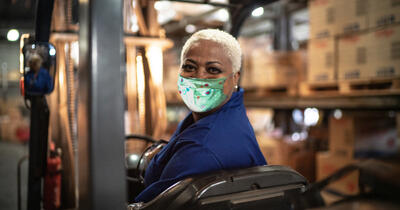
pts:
[189, 160]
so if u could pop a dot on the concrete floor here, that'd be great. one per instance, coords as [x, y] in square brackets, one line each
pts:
[10, 154]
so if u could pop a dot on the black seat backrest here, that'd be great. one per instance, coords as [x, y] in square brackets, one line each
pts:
[263, 187]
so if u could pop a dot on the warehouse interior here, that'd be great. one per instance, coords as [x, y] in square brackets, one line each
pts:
[321, 82]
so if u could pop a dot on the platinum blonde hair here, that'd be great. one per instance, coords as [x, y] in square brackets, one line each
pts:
[228, 42]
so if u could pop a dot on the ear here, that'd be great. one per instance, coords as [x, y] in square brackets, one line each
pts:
[236, 77]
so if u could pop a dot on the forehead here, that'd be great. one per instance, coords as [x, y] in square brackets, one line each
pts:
[34, 60]
[207, 50]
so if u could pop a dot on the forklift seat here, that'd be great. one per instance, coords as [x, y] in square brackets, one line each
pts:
[262, 187]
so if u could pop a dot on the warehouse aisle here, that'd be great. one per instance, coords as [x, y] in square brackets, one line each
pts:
[10, 153]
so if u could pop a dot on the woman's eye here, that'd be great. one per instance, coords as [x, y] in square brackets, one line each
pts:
[188, 68]
[213, 70]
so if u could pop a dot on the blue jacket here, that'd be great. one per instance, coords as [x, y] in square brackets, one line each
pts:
[41, 84]
[223, 140]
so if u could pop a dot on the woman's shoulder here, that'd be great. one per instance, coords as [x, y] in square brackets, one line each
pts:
[194, 133]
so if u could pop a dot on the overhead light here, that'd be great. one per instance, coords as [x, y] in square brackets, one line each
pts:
[257, 12]
[297, 116]
[13, 35]
[296, 136]
[337, 114]
[190, 28]
[311, 116]
[223, 15]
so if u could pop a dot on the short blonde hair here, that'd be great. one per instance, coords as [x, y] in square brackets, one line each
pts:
[228, 42]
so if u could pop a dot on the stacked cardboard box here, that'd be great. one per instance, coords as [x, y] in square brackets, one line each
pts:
[288, 153]
[364, 35]
[322, 18]
[263, 67]
[383, 12]
[271, 149]
[384, 52]
[340, 154]
[332, 17]
[361, 136]
[374, 54]
[272, 69]
[321, 47]
[321, 60]
[352, 15]
[352, 138]
[328, 163]
[353, 60]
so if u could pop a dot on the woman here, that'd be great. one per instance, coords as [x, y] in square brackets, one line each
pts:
[217, 134]
[38, 79]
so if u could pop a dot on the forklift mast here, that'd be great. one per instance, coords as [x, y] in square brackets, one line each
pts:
[39, 118]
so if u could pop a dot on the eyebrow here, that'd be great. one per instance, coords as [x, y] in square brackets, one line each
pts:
[211, 62]
[190, 60]
[207, 63]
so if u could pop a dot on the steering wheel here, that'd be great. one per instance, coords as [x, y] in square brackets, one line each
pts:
[146, 156]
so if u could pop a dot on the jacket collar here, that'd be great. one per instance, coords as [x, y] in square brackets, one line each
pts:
[235, 101]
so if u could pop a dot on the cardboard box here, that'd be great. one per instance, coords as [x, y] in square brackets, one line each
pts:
[327, 164]
[321, 60]
[352, 15]
[383, 12]
[342, 137]
[8, 130]
[384, 52]
[272, 69]
[280, 151]
[304, 163]
[288, 153]
[271, 149]
[353, 60]
[322, 18]
[299, 61]
[262, 120]
[363, 137]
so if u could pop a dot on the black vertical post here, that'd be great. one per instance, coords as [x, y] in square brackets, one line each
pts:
[37, 150]
[100, 106]
[39, 121]
[43, 20]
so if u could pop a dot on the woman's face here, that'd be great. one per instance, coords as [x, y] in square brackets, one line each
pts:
[206, 59]
[35, 65]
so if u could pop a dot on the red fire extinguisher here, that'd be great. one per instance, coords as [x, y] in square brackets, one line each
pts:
[52, 180]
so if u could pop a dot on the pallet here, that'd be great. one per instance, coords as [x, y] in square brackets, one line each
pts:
[368, 87]
[278, 90]
[319, 88]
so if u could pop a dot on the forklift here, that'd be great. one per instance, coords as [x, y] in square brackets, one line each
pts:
[101, 164]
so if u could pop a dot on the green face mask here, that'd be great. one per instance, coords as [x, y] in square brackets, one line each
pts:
[201, 95]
